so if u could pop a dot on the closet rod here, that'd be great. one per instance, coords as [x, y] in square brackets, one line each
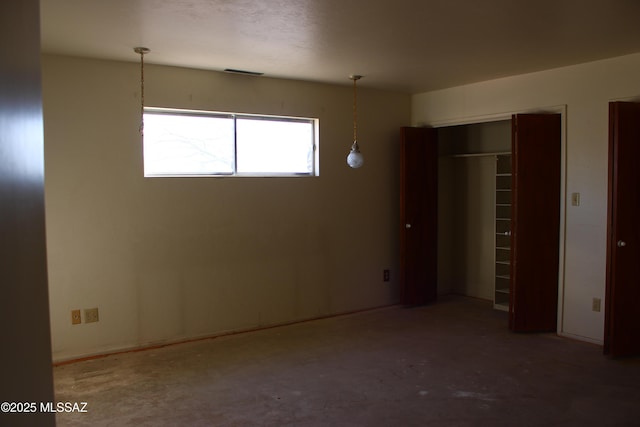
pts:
[497, 153]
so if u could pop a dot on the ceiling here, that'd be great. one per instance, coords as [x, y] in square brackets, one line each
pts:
[405, 45]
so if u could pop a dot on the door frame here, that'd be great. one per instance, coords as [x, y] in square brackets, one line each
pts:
[558, 109]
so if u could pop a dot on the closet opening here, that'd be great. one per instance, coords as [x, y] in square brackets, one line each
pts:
[457, 185]
[474, 211]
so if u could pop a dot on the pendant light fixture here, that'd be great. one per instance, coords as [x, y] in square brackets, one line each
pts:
[142, 51]
[354, 158]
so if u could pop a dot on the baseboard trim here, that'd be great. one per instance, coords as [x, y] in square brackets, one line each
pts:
[183, 340]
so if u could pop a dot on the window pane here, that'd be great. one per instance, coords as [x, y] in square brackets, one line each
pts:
[187, 145]
[272, 146]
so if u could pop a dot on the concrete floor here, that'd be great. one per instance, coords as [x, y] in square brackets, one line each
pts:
[449, 364]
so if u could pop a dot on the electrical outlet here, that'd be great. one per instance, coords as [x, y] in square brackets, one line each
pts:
[90, 315]
[75, 317]
[386, 275]
[595, 304]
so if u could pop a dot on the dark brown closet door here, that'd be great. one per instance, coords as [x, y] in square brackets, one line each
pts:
[418, 215]
[622, 322]
[535, 222]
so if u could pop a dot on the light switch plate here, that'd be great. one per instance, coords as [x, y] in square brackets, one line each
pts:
[575, 199]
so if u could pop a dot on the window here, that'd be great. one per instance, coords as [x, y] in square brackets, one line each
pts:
[197, 143]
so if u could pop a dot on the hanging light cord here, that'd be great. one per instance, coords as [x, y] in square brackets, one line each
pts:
[141, 93]
[355, 110]
[142, 51]
[355, 77]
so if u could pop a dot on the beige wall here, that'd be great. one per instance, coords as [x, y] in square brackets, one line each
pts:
[166, 259]
[585, 90]
[466, 226]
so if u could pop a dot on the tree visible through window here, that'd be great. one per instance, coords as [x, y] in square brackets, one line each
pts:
[188, 143]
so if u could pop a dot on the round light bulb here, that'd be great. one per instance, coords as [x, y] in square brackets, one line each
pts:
[355, 158]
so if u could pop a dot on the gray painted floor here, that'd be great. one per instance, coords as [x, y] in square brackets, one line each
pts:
[450, 364]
